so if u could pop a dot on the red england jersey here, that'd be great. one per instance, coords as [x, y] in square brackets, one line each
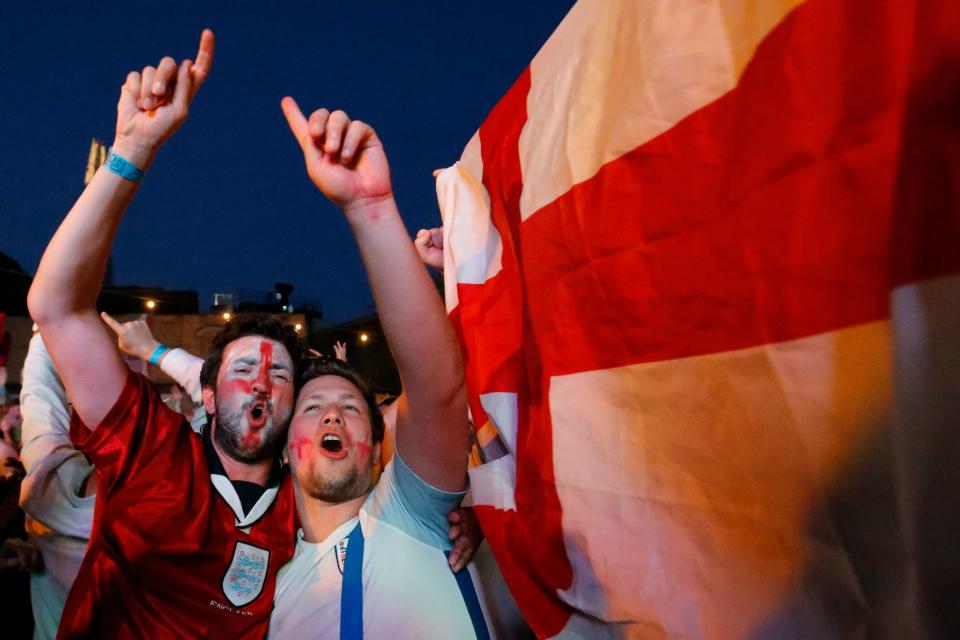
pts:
[172, 553]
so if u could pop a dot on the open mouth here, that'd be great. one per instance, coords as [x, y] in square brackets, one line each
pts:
[333, 446]
[257, 415]
[332, 443]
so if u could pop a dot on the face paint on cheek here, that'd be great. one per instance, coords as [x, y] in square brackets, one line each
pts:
[364, 449]
[303, 447]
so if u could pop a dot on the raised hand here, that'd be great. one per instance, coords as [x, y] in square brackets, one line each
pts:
[340, 350]
[344, 158]
[134, 337]
[154, 102]
[429, 244]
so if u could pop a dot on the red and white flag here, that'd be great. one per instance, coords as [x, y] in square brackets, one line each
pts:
[703, 258]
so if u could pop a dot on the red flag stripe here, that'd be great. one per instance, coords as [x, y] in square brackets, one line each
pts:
[764, 217]
[538, 560]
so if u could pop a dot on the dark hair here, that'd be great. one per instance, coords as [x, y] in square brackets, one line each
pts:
[327, 366]
[251, 325]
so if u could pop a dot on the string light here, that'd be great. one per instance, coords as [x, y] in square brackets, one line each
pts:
[364, 337]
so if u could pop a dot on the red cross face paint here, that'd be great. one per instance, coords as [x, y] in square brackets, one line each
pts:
[330, 446]
[254, 398]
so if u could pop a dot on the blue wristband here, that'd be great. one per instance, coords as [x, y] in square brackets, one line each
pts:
[124, 168]
[158, 353]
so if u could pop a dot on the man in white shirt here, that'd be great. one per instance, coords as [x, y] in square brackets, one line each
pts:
[370, 561]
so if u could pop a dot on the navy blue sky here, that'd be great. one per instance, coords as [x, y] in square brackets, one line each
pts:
[227, 205]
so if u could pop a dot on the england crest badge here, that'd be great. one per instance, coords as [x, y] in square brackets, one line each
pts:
[246, 574]
[342, 553]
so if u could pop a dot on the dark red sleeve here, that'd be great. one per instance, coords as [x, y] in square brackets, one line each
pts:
[137, 427]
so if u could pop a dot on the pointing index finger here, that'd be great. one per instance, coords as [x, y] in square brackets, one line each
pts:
[204, 59]
[295, 119]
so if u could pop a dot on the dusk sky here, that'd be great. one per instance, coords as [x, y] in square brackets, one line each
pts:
[227, 205]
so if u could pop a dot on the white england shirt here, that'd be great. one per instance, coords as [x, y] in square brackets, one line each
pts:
[409, 590]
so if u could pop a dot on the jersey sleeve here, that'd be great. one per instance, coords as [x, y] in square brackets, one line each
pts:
[184, 367]
[402, 499]
[133, 433]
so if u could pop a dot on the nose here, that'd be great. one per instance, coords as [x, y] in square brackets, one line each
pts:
[262, 384]
[332, 417]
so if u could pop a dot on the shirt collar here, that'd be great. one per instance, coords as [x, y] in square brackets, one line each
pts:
[223, 486]
[215, 465]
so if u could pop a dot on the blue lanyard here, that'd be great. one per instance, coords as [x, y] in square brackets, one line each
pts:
[351, 593]
[469, 594]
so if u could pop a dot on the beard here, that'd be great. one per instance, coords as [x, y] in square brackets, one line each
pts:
[229, 431]
[351, 484]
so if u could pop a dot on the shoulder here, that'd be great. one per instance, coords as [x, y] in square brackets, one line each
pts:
[405, 501]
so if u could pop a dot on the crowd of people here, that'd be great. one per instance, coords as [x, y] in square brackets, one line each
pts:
[264, 502]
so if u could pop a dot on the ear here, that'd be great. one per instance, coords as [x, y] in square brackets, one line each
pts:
[377, 465]
[209, 401]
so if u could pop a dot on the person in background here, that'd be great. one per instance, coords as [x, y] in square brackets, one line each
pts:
[10, 424]
[57, 494]
[135, 338]
[340, 350]
[18, 558]
[429, 245]
[11, 419]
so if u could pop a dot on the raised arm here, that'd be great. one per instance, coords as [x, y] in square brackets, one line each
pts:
[135, 338]
[152, 105]
[346, 161]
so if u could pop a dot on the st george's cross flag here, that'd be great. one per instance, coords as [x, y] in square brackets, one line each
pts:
[704, 261]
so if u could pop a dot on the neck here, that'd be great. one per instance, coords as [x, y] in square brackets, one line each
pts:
[319, 519]
[257, 472]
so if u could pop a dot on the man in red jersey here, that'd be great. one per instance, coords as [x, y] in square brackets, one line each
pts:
[188, 531]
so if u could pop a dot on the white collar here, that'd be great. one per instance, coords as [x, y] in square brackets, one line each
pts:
[225, 488]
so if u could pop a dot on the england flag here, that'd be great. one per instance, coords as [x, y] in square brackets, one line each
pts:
[703, 260]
